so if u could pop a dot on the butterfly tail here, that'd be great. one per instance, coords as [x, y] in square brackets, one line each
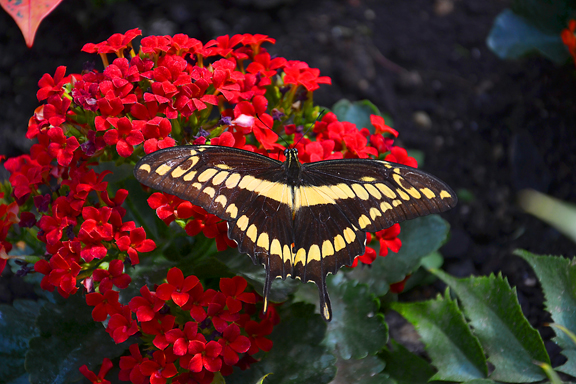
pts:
[325, 307]
[265, 293]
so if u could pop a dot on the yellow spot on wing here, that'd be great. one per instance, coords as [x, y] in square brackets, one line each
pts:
[287, 254]
[197, 185]
[223, 166]
[385, 206]
[145, 167]
[396, 203]
[368, 179]
[219, 178]
[314, 253]
[206, 175]
[232, 210]
[276, 248]
[263, 241]
[161, 170]
[360, 191]
[346, 189]
[349, 235]
[189, 176]
[338, 192]
[402, 194]
[194, 160]
[364, 221]
[222, 200]
[444, 194]
[386, 190]
[312, 196]
[428, 193]
[373, 191]
[243, 222]
[326, 312]
[179, 171]
[397, 170]
[374, 213]
[339, 243]
[233, 180]
[301, 256]
[209, 191]
[252, 232]
[327, 248]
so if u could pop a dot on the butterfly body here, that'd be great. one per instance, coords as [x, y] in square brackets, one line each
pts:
[298, 220]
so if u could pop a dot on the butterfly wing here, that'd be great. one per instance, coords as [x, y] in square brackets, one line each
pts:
[246, 189]
[338, 201]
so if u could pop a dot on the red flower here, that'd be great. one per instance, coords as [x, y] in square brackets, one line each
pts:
[134, 243]
[399, 286]
[569, 39]
[256, 332]
[232, 344]
[146, 306]
[165, 205]
[63, 275]
[205, 355]
[367, 258]
[223, 45]
[104, 304]
[161, 368]
[113, 276]
[114, 44]
[106, 366]
[298, 73]
[159, 326]
[61, 147]
[52, 85]
[234, 288]
[130, 366]
[154, 44]
[126, 135]
[121, 325]
[265, 66]
[400, 155]
[156, 132]
[381, 127]
[181, 338]
[388, 239]
[177, 287]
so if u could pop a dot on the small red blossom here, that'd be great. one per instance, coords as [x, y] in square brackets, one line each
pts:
[388, 239]
[61, 147]
[298, 73]
[121, 325]
[205, 355]
[569, 38]
[114, 44]
[233, 343]
[130, 366]
[399, 286]
[135, 243]
[256, 332]
[52, 85]
[104, 304]
[159, 326]
[97, 379]
[161, 368]
[177, 287]
[126, 135]
[113, 276]
[234, 288]
[400, 155]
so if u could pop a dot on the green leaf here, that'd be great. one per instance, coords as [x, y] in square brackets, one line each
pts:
[69, 338]
[16, 329]
[358, 113]
[297, 355]
[548, 15]
[569, 366]
[497, 320]
[557, 276]
[363, 371]
[512, 37]
[405, 367]
[356, 329]
[454, 350]
[420, 237]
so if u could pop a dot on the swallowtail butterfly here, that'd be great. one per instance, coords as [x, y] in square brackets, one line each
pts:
[298, 220]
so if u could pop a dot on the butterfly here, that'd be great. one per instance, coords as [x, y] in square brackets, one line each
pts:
[298, 220]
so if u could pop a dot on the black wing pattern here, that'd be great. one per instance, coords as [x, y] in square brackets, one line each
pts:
[304, 229]
[246, 189]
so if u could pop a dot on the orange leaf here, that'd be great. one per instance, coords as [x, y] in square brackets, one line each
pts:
[28, 14]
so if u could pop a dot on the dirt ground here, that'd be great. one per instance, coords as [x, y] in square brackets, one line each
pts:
[487, 127]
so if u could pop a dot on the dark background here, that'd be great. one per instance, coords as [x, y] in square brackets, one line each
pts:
[486, 126]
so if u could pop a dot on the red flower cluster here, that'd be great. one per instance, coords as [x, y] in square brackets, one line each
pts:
[142, 102]
[220, 332]
[569, 38]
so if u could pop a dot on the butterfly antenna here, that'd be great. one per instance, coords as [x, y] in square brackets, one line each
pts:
[311, 127]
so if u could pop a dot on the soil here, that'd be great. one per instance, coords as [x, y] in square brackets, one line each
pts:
[488, 127]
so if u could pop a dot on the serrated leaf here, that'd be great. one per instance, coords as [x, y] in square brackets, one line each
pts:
[363, 371]
[404, 367]
[16, 329]
[454, 350]
[358, 112]
[297, 355]
[497, 320]
[356, 329]
[69, 338]
[557, 277]
[420, 237]
[512, 37]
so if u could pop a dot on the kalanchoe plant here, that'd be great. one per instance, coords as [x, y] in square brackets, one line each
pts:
[79, 220]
